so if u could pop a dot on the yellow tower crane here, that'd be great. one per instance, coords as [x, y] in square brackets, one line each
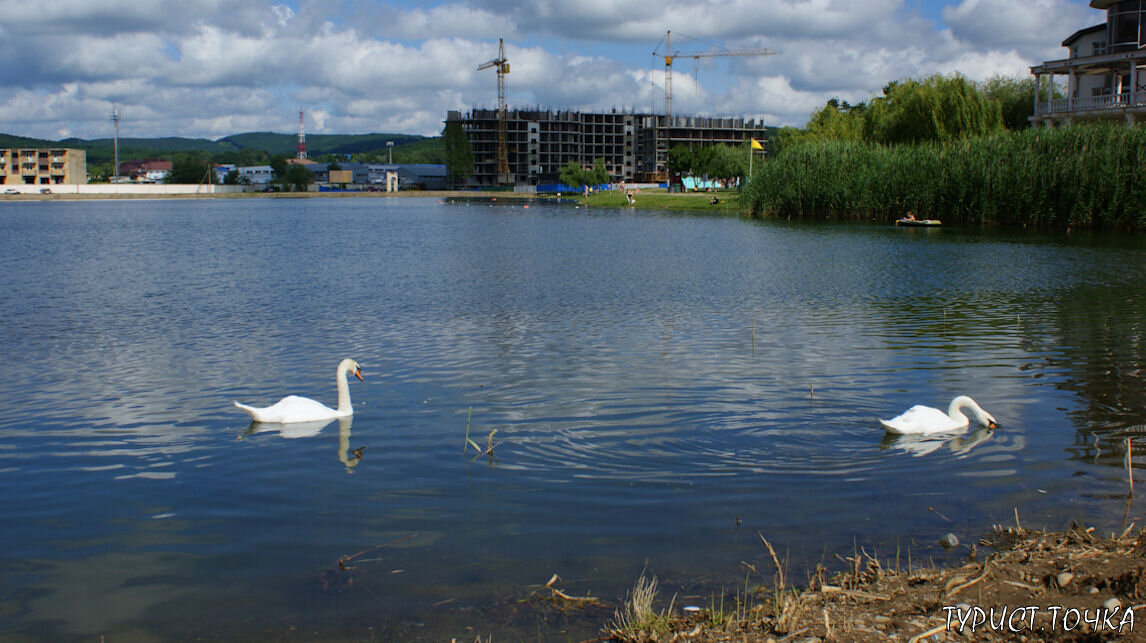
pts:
[502, 66]
[671, 54]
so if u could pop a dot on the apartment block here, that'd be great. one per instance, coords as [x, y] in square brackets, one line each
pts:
[51, 166]
[633, 146]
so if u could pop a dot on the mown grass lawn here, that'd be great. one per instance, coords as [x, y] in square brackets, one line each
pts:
[660, 199]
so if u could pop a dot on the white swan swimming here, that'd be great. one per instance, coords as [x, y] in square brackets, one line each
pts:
[924, 419]
[293, 408]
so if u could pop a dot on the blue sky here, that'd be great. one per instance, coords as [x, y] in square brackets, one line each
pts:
[209, 68]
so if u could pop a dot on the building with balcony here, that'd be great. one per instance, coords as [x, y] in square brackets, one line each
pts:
[634, 147]
[39, 166]
[1103, 77]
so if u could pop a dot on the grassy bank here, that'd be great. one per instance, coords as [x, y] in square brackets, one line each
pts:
[1083, 176]
[728, 201]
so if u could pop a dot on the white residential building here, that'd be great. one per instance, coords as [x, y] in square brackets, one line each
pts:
[1103, 77]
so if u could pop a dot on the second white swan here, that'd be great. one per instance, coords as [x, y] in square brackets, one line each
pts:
[293, 408]
[924, 419]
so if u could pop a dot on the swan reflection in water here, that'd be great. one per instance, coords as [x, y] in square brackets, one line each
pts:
[346, 456]
[923, 444]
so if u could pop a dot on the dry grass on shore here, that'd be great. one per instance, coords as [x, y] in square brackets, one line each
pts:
[1072, 586]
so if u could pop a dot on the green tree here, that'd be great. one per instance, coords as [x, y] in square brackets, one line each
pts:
[298, 177]
[838, 121]
[681, 160]
[727, 162]
[573, 175]
[937, 108]
[459, 153]
[192, 169]
[278, 166]
[788, 137]
[599, 174]
[1016, 98]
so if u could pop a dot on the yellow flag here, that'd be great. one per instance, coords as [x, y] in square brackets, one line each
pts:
[756, 145]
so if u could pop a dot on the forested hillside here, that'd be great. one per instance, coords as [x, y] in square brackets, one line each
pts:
[248, 148]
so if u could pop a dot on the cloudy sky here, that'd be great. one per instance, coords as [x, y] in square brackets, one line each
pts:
[209, 68]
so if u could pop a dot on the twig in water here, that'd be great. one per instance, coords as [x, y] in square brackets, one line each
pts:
[1130, 464]
[345, 559]
[775, 560]
[1126, 531]
[468, 440]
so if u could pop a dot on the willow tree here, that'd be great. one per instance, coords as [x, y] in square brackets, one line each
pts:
[574, 175]
[937, 108]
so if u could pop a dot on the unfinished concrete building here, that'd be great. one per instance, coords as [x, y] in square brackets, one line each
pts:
[633, 146]
[656, 135]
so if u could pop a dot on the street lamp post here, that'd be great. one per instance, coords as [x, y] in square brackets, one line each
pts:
[390, 148]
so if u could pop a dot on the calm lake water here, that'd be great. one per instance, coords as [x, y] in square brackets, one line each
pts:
[664, 388]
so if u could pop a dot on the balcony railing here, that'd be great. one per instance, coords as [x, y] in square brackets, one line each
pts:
[1092, 104]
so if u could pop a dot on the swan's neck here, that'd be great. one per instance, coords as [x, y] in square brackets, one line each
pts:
[955, 411]
[344, 407]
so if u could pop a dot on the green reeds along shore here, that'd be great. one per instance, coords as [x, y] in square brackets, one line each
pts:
[1084, 176]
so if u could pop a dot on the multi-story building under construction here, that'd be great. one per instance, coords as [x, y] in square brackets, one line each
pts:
[634, 147]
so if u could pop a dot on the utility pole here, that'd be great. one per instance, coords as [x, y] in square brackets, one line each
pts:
[301, 137]
[115, 120]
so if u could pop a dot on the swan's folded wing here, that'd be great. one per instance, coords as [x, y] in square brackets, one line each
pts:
[293, 409]
[919, 419]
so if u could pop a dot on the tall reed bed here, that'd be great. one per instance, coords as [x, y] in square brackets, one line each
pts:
[1091, 176]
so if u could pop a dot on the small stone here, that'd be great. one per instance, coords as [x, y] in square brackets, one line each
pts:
[949, 541]
[1111, 604]
[1064, 579]
[1092, 590]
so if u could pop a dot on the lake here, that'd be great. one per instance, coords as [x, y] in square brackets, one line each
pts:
[664, 388]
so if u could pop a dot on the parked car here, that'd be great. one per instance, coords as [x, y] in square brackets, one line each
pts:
[45, 190]
[11, 191]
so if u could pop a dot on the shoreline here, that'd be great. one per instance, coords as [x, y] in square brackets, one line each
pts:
[649, 199]
[1032, 585]
[129, 196]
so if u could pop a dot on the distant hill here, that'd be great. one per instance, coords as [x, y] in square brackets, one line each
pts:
[318, 144]
[414, 149]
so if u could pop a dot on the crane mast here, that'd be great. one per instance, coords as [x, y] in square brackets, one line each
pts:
[501, 63]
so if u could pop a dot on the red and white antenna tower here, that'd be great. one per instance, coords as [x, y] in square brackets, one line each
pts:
[301, 137]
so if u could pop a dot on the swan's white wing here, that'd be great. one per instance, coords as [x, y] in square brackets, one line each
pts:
[922, 419]
[291, 409]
